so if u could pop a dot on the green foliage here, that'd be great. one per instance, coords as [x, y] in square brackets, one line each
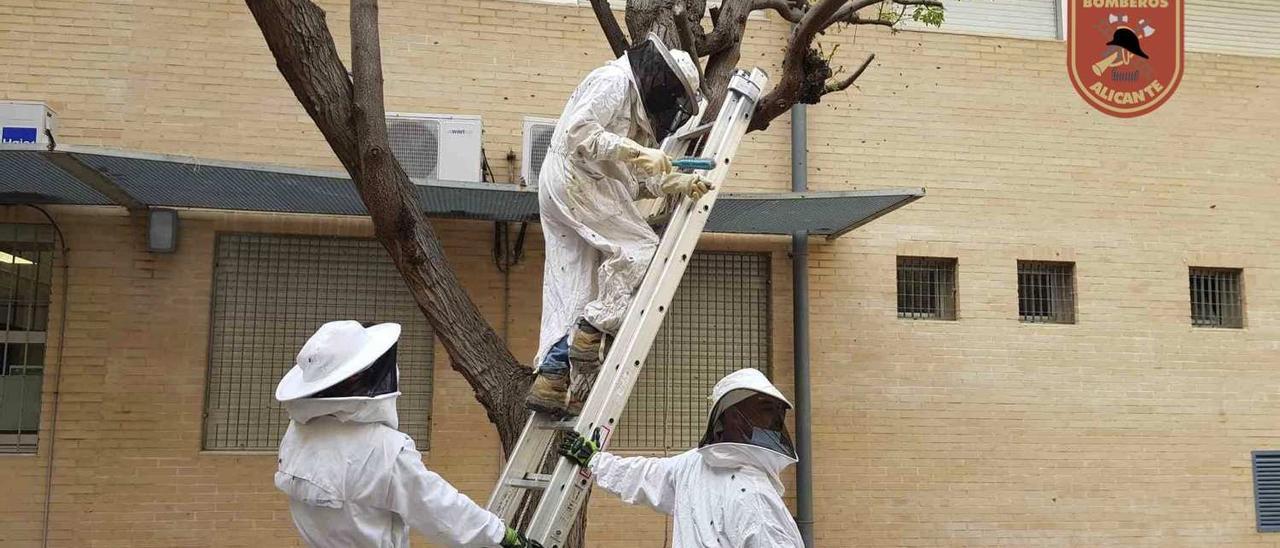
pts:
[929, 15]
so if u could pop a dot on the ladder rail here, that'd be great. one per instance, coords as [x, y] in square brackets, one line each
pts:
[506, 498]
[560, 500]
[558, 508]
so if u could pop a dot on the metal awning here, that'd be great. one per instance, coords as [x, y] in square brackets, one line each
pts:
[87, 176]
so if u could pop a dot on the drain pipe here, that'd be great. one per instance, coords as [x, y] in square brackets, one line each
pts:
[800, 323]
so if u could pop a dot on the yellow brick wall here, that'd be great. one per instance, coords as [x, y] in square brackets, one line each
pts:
[1127, 429]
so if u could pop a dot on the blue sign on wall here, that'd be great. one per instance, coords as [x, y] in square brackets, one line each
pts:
[18, 135]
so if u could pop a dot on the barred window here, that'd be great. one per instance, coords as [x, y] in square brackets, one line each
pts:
[26, 272]
[718, 323]
[927, 288]
[1046, 292]
[1216, 297]
[270, 293]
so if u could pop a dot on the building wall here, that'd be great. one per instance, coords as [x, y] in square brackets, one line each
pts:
[1129, 428]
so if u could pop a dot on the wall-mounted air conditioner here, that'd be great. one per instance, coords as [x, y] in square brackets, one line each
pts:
[437, 147]
[26, 124]
[537, 137]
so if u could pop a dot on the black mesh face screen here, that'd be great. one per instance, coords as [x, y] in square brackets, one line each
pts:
[758, 420]
[661, 89]
[376, 380]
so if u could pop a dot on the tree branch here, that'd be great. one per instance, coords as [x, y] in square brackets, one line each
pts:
[730, 24]
[848, 13]
[787, 9]
[794, 74]
[609, 24]
[841, 85]
[688, 42]
[350, 116]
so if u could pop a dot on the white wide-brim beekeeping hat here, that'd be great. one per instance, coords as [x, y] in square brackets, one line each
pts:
[334, 353]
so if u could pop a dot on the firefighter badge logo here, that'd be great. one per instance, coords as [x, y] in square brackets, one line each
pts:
[1125, 56]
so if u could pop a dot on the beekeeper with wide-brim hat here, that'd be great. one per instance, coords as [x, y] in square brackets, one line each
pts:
[351, 477]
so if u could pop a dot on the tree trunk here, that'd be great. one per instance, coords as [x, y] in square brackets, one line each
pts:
[345, 111]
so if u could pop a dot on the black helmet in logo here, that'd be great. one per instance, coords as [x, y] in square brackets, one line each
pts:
[1128, 40]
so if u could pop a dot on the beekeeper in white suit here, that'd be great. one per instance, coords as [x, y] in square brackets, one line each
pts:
[728, 491]
[351, 477]
[602, 158]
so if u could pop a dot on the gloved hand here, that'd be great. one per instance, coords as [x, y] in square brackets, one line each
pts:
[515, 539]
[578, 449]
[648, 161]
[685, 184]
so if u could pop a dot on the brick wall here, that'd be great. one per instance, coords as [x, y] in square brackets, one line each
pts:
[1129, 428]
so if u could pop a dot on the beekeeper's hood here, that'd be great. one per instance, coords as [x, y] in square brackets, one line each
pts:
[747, 425]
[668, 84]
[346, 371]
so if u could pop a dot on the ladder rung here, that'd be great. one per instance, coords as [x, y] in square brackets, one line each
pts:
[565, 424]
[695, 132]
[538, 481]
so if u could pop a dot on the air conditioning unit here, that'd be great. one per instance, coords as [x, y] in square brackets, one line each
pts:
[437, 147]
[537, 138]
[26, 124]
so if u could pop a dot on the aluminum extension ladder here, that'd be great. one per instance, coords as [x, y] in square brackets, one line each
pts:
[540, 492]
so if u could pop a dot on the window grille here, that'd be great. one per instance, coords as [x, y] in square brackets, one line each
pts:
[926, 288]
[1046, 292]
[271, 292]
[26, 274]
[718, 323]
[1216, 298]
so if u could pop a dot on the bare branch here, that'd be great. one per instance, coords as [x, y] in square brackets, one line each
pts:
[366, 73]
[787, 9]
[730, 22]
[848, 14]
[688, 42]
[305, 55]
[609, 24]
[841, 85]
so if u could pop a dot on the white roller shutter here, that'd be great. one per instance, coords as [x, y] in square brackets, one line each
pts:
[1239, 27]
[1015, 18]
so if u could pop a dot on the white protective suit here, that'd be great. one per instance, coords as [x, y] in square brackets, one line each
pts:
[598, 245]
[354, 480]
[719, 495]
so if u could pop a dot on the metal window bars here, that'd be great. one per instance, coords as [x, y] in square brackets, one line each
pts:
[718, 323]
[1216, 297]
[26, 274]
[927, 288]
[1046, 292]
[270, 293]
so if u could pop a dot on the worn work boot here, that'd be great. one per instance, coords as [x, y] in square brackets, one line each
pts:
[586, 344]
[549, 393]
[587, 349]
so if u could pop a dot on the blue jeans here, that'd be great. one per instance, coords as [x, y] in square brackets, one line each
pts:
[556, 362]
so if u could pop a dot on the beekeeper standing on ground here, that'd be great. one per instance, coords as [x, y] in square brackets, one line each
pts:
[351, 477]
[728, 491]
[602, 158]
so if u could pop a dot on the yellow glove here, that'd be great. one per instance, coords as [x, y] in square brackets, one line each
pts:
[648, 161]
[685, 184]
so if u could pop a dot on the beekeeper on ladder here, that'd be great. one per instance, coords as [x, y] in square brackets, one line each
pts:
[728, 491]
[602, 158]
[351, 477]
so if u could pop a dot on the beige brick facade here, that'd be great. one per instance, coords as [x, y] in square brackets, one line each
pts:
[1128, 428]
